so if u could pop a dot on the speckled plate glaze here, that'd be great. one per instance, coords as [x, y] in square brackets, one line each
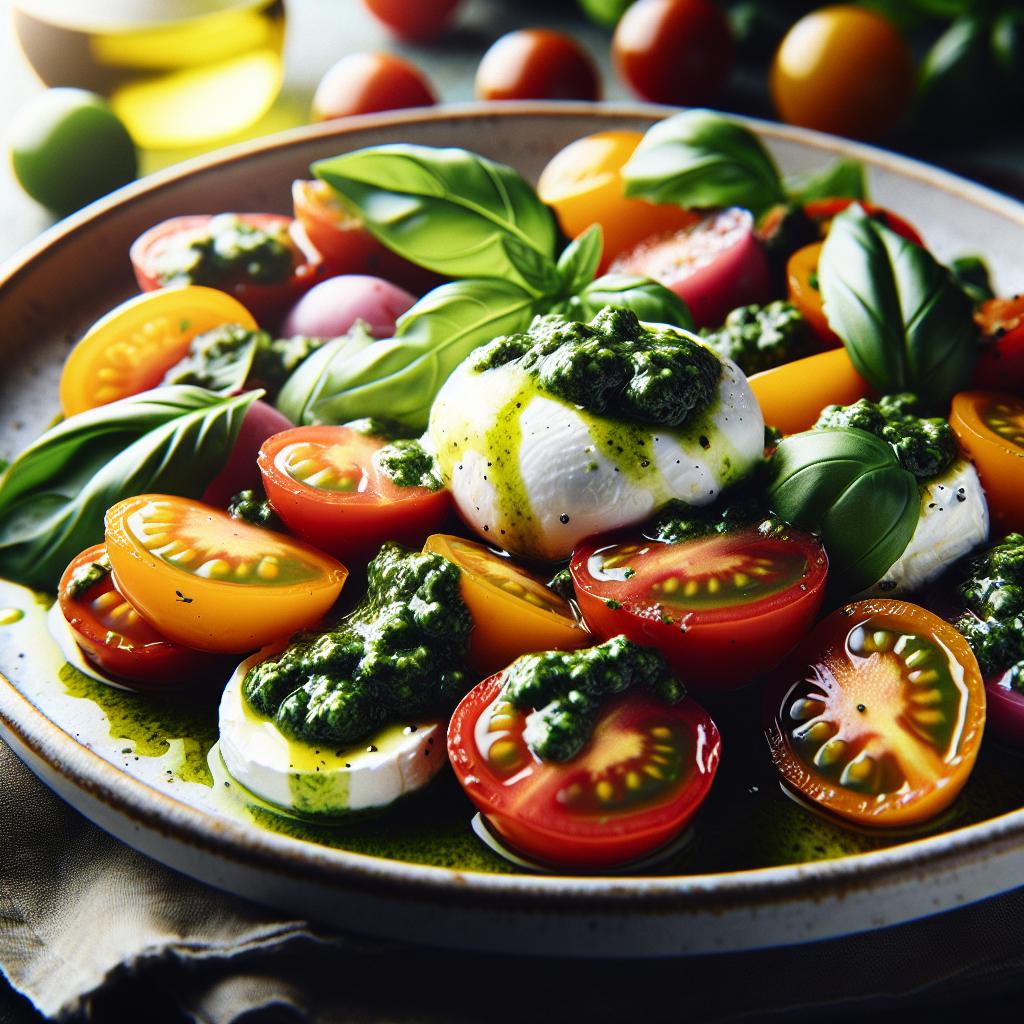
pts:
[759, 870]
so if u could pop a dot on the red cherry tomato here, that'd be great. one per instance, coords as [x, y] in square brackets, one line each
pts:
[117, 640]
[537, 64]
[413, 20]
[673, 51]
[722, 609]
[363, 83]
[155, 251]
[326, 486]
[823, 210]
[713, 265]
[1001, 362]
[638, 781]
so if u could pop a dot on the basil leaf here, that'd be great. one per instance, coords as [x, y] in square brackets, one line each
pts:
[843, 179]
[957, 71]
[448, 210]
[54, 496]
[848, 486]
[701, 159]
[650, 301]
[972, 277]
[401, 376]
[579, 260]
[905, 323]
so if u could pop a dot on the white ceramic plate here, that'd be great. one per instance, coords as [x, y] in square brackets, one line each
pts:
[146, 782]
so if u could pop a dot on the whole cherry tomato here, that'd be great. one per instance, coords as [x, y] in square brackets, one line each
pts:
[413, 20]
[362, 83]
[537, 64]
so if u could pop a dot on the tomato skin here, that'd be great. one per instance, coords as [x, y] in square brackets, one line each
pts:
[869, 718]
[505, 623]
[998, 459]
[528, 813]
[267, 302]
[713, 265]
[134, 652]
[673, 51]
[583, 184]
[792, 396]
[413, 22]
[349, 525]
[823, 210]
[845, 70]
[364, 83]
[537, 64]
[199, 608]
[1000, 365]
[801, 269]
[710, 649]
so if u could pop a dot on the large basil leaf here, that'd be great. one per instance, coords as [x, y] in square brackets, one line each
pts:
[843, 179]
[650, 301]
[400, 377]
[905, 323]
[701, 159]
[848, 486]
[54, 495]
[450, 211]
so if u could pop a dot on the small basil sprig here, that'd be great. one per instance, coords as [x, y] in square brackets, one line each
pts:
[54, 495]
[905, 322]
[848, 486]
[449, 210]
[701, 159]
[652, 302]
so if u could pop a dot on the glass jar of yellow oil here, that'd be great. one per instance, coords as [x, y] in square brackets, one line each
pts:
[179, 73]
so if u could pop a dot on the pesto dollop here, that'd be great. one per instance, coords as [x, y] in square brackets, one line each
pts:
[679, 522]
[758, 338]
[252, 507]
[565, 690]
[613, 366]
[229, 249]
[925, 447]
[399, 653]
[407, 463]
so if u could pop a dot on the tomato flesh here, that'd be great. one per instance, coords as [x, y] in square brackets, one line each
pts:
[513, 611]
[117, 640]
[324, 484]
[636, 784]
[878, 715]
[722, 609]
[212, 582]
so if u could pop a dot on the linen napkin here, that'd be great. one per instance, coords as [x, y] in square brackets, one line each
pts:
[90, 929]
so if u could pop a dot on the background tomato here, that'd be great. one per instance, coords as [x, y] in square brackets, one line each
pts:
[413, 20]
[537, 64]
[843, 69]
[673, 51]
[1001, 362]
[362, 83]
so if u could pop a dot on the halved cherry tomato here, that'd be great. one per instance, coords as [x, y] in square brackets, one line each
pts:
[212, 582]
[638, 781]
[583, 184]
[878, 715]
[1001, 362]
[131, 348]
[823, 210]
[804, 293]
[513, 611]
[990, 428]
[116, 639]
[722, 609]
[267, 301]
[537, 64]
[713, 265]
[792, 396]
[325, 485]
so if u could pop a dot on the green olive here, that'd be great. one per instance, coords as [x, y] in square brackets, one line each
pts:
[68, 148]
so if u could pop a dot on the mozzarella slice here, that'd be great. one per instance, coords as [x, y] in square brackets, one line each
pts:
[318, 780]
[952, 522]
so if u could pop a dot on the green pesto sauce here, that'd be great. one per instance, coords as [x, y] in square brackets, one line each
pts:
[150, 721]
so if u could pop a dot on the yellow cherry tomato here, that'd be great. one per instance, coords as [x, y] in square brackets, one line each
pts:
[583, 184]
[215, 583]
[843, 69]
[792, 396]
[131, 348]
[513, 611]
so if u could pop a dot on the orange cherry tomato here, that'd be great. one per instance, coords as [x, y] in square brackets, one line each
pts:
[792, 396]
[362, 83]
[803, 292]
[131, 348]
[537, 64]
[843, 69]
[583, 184]
[215, 583]
[878, 715]
[990, 428]
[513, 611]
